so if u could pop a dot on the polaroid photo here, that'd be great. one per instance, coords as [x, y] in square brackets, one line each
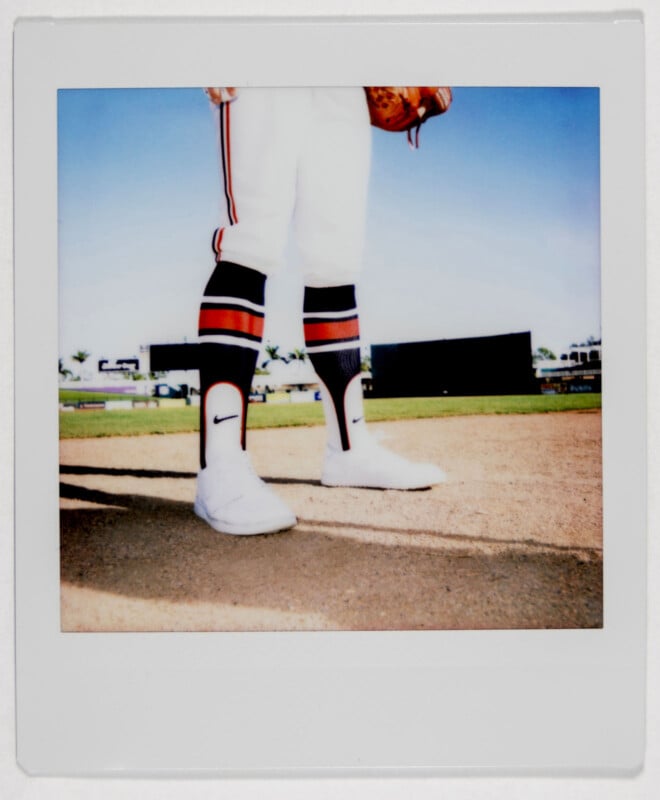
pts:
[345, 454]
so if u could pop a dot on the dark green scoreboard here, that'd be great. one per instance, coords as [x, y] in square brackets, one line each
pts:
[482, 365]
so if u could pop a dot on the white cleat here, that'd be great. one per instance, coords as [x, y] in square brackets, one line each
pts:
[371, 466]
[233, 499]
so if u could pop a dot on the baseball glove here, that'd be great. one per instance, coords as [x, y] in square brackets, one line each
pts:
[406, 108]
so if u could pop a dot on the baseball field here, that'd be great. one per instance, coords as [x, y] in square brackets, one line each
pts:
[512, 540]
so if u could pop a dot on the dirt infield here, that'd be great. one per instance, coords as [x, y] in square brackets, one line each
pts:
[512, 540]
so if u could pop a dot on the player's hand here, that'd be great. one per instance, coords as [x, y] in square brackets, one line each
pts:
[221, 94]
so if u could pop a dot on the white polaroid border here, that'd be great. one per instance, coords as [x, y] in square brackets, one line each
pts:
[484, 702]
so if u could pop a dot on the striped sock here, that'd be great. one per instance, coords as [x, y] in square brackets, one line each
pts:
[332, 338]
[231, 323]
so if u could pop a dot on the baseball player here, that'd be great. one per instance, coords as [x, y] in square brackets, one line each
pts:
[301, 156]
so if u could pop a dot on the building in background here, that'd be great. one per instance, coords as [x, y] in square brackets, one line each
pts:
[578, 370]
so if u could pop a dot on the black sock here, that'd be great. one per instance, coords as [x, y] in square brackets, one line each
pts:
[231, 321]
[332, 339]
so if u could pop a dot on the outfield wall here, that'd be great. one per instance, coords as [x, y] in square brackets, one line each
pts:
[483, 365]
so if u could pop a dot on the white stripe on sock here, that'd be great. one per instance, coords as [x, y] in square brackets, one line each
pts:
[352, 312]
[234, 301]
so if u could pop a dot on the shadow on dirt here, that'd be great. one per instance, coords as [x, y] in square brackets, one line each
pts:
[70, 469]
[146, 547]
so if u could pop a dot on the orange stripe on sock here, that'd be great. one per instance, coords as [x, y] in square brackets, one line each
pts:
[330, 331]
[240, 321]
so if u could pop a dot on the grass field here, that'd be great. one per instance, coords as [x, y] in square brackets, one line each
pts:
[77, 395]
[84, 424]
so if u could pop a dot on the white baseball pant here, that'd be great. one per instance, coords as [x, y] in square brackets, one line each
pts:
[301, 155]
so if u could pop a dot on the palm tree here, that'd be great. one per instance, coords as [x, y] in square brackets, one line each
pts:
[298, 355]
[543, 354]
[272, 351]
[63, 371]
[81, 356]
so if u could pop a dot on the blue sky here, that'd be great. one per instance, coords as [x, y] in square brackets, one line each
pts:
[491, 227]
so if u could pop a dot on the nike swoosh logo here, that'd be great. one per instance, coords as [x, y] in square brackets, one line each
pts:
[357, 419]
[218, 420]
